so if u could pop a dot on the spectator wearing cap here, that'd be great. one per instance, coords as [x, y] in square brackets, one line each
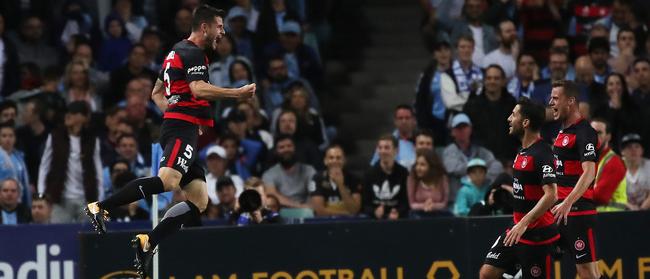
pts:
[585, 76]
[458, 153]
[507, 51]
[430, 110]
[471, 24]
[523, 83]
[609, 184]
[489, 112]
[288, 180]
[467, 76]
[216, 164]
[12, 162]
[599, 54]
[12, 212]
[71, 173]
[9, 80]
[152, 41]
[236, 23]
[405, 126]
[41, 209]
[301, 60]
[474, 189]
[384, 184]
[638, 172]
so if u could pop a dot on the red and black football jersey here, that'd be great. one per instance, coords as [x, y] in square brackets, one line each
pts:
[575, 144]
[184, 64]
[533, 168]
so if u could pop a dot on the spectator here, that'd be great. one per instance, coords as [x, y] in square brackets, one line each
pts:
[288, 179]
[626, 43]
[619, 109]
[585, 74]
[128, 212]
[83, 52]
[243, 38]
[273, 16]
[240, 72]
[466, 75]
[12, 162]
[182, 26]
[475, 187]
[310, 123]
[77, 23]
[12, 211]
[235, 160]
[71, 173]
[252, 13]
[599, 54]
[638, 172]
[457, 154]
[430, 110]
[556, 67]
[583, 16]
[433, 31]
[116, 126]
[405, 125]
[145, 130]
[78, 86]
[427, 185]
[8, 111]
[609, 184]
[116, 46]
[253, 149]
[424, 140]
[48, 94]
[256, 121]
[641, 95]
[31, 137]
[617, 18]
[489, 112]
[540, 22]
[301, 60]
[8, 79]
[41, 209]
[272, 87]
[471, 25]
[31, 46]
[523, 83]
[334, 191]
[384, 186]
[227, 196]
[120, 77]
[127, 149]
[251, 210]
[504, 56]
[220, 67]
[134, 24]
[152, 41]
[306, 150]
[215, 162]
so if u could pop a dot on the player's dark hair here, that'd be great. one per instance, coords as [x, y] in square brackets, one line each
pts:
[608, 127]
[388, 137]
[205, 14]
[535, 113]
[569, 88]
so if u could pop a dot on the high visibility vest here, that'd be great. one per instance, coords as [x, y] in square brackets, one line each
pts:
[619, 197]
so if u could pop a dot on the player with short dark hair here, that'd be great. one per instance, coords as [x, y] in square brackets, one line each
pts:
[576, 154]
[183, 92]
[528, 242]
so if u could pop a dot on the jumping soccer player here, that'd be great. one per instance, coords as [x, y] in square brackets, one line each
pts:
[529, 242]
[575, 150]
[183, 92]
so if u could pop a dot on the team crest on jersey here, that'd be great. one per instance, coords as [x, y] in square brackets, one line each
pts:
[524, 162]
[565, 141]
[536, 271]
[579, 245]
[170, 55]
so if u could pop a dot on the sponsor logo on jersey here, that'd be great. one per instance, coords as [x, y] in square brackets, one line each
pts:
[196, 70]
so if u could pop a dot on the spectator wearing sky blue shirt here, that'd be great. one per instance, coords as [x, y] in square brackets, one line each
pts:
[12, 162]
[11, 211]
[405, 125]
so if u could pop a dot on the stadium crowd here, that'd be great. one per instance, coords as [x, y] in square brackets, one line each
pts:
[77, 122]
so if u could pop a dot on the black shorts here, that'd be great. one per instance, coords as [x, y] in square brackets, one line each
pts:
[534, 260]
[578, 238]
[178, 139]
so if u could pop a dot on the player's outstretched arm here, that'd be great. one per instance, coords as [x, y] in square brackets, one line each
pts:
[206, 91]
[158, 95]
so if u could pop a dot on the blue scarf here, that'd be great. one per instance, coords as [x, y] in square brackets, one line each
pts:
[464, 80]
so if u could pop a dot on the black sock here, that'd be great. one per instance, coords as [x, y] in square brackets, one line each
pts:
[184, 214]
[137, 189]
